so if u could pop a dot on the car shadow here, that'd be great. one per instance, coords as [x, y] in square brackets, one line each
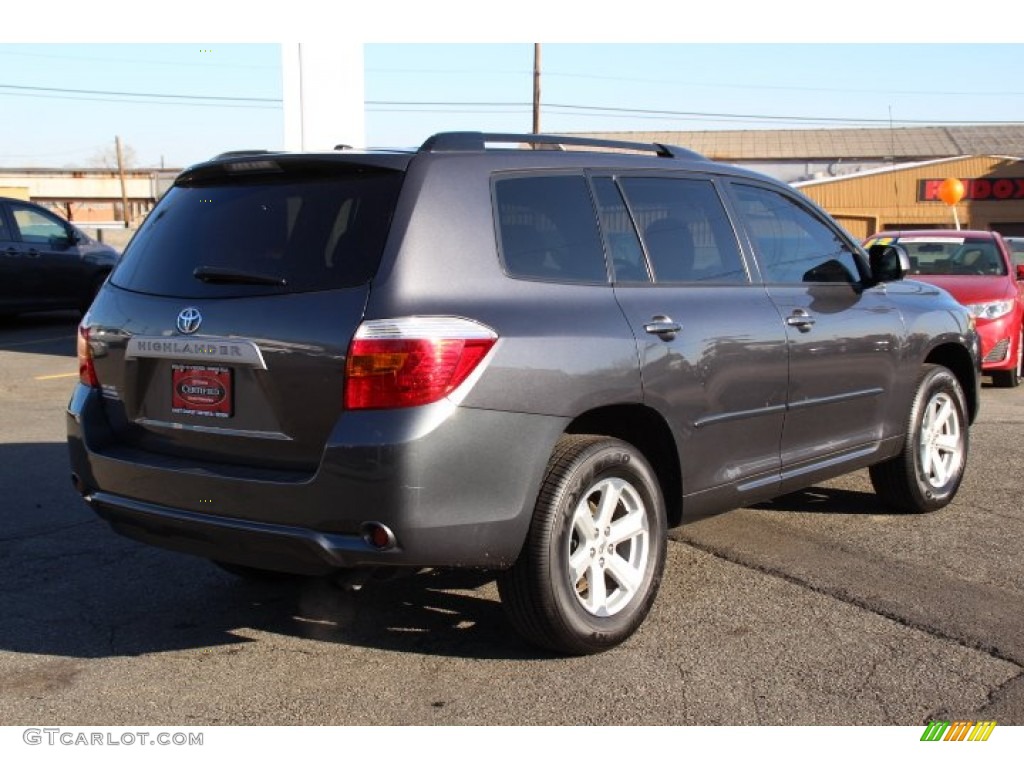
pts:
[43, 333]
[69, 586]
[827, 501]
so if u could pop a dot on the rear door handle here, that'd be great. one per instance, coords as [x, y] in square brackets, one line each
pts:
[663, 326]
[801, 319]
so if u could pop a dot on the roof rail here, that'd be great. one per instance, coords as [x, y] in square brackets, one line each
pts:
[471, 141]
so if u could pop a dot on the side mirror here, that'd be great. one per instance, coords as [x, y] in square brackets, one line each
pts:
[888, 262]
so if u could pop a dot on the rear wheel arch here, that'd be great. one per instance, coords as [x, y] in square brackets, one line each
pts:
[647, 431]
[593, 560]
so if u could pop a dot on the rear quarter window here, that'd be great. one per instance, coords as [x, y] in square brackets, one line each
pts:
[311, 233]
[547, 229]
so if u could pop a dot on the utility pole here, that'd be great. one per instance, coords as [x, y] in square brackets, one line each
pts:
[536, 87]
[124, 190]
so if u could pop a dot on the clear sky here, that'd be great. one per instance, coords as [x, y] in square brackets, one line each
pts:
[62, 102]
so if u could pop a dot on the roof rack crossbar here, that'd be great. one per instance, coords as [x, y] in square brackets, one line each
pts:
[470, 141]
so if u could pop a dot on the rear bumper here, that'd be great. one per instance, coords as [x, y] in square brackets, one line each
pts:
[259, 545]
[456, 485]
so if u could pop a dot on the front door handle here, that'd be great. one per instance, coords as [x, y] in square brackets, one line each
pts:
[801, 319]
[663, 326]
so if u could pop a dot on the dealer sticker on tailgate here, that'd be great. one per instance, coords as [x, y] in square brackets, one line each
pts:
[201, 390]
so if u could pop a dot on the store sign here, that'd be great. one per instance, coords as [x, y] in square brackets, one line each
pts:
[974, 189]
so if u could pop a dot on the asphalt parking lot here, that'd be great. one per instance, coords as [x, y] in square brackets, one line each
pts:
[818, 608]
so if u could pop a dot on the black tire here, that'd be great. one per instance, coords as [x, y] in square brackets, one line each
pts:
[1012, 377]
[546, 603]
[926, 475]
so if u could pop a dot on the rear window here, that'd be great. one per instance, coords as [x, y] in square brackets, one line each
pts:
[262, 235]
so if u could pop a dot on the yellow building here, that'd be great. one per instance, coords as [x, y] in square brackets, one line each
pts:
[906, 196]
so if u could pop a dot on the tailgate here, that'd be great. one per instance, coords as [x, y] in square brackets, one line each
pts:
[222, 334]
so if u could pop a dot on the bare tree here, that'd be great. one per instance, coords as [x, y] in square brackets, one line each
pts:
[106, 157]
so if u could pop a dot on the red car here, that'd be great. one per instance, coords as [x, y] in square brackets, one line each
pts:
[978, 269]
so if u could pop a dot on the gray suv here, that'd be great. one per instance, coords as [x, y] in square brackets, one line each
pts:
[493, 353]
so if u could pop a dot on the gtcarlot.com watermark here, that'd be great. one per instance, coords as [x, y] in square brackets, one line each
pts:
[72, 737]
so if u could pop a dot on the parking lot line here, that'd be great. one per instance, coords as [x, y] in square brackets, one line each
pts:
[56, 376]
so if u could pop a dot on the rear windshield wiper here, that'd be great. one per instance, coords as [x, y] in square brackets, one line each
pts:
[223, 275]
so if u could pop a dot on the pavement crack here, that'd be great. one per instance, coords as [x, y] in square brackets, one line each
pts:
[850, 599]
[995, 693]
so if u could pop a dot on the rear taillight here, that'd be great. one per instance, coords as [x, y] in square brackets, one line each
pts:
[412, 360]
[86, 368]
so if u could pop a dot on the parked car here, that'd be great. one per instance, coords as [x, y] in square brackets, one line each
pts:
[1017, 250]
[977, 268]
[518, 359]
[46, 262]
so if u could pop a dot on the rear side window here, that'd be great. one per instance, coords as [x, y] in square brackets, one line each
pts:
[685, 230]
[548, 229]
[627, 255]
[263, 235]
[793, 245]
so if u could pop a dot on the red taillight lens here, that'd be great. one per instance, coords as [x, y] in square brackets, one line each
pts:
[412, 361]
[86, 368]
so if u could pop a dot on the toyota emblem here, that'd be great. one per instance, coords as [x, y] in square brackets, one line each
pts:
[189, 320]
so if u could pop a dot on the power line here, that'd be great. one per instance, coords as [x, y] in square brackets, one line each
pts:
[155, 62]
[144, 95]
[764, 87]
[694, 84]
[480, 107]
[141, 101]
[585, 109]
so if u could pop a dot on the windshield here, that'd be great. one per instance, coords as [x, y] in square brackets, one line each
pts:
[953, 256]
